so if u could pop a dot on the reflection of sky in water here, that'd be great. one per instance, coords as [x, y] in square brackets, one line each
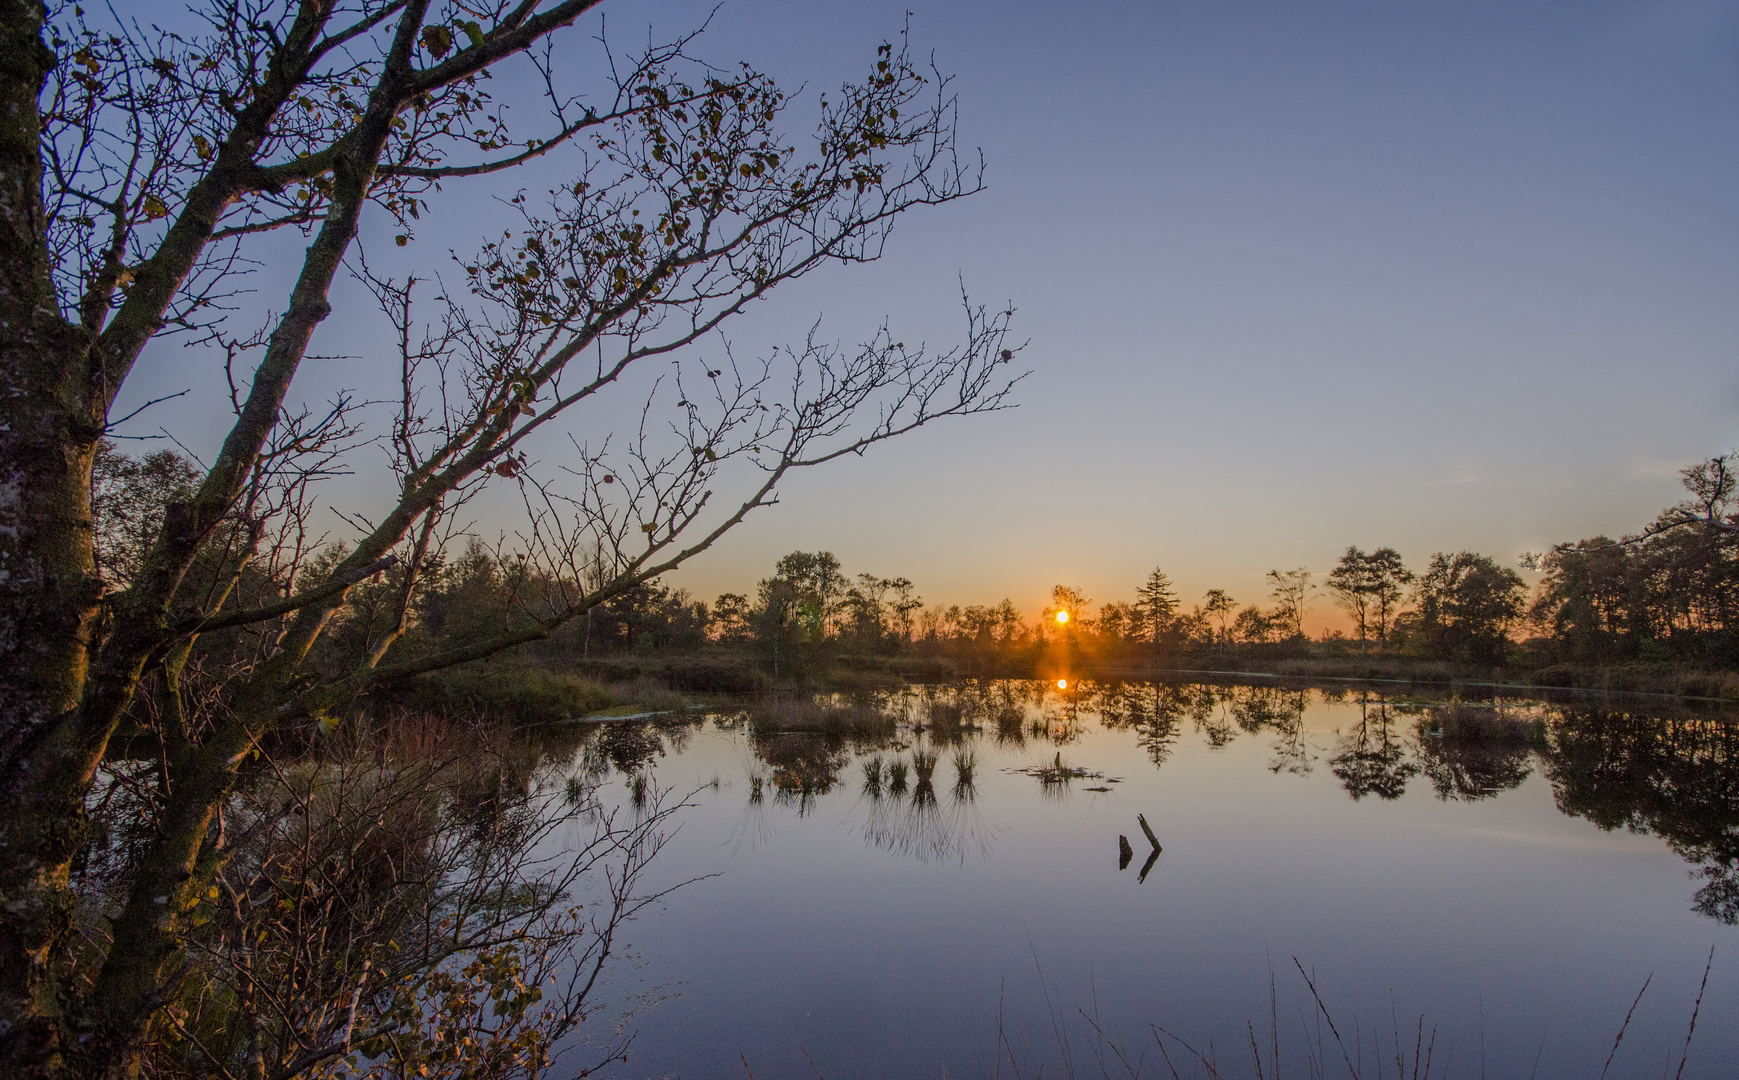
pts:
[879, 930]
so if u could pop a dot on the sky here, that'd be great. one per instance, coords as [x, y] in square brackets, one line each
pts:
[1293, 277]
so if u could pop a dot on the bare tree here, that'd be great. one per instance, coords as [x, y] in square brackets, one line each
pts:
[1292, 595]
[1218, 604]
[1711, 484]
[141, 172]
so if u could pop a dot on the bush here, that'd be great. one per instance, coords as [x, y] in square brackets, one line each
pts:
[520, 693]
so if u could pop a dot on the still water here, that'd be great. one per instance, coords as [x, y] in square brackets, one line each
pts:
[931, 882]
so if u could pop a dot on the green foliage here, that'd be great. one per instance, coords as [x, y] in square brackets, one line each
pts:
[807, 590]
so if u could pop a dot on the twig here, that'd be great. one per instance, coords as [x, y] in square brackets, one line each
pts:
[1354, 1073]
[1622, 1027]
[1695, 1009]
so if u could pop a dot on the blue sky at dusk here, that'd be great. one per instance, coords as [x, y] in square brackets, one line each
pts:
[1433, 276]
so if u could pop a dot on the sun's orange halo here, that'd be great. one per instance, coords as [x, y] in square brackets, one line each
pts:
[1062, 616]
[1062, 684]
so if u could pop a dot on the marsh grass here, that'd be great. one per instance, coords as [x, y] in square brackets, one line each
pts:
[965, 768]
[872, 776]
[826, 714]
[949, 722]
[897, 777]
[924, 766]
[1056, 775]
[1379, 669]
[1404, 1051]
[1643, 679]
[648, 693]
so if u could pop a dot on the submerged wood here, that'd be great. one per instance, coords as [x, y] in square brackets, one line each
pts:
[1152, 839]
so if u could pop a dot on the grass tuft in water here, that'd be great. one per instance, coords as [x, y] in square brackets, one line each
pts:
[897, 773]
[965, 767]
[872, 777]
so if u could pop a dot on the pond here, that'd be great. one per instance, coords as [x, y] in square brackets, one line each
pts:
[955, 881]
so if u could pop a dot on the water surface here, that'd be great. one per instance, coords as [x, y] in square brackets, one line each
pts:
[1508, 870]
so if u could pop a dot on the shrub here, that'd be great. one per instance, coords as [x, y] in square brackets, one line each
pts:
[521, 693]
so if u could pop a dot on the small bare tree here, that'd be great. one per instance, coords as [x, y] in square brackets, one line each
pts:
[142, 170]
[1292, 593]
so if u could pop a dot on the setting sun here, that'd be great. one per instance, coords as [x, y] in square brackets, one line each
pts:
[1062, 616]
[1062, 684]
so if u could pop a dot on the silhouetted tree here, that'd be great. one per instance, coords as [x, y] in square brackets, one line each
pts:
[1389, 580]
[1466, 606]
[1349, 581]
[1711, 485]
[864, 612]
[1671, 591]
[731, 622]
[904, 606]
[1253, 626]
[1120, 622]
[1065, 598]
[1369, 587]
[1155, 606]
[1586, 600]
[816, 588]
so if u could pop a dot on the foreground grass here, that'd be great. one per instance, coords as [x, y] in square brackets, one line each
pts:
[1404, 1052]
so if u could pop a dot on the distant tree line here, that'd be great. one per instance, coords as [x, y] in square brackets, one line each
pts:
[1665, 594]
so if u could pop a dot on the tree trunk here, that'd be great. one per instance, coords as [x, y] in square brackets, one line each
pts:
[49, 590]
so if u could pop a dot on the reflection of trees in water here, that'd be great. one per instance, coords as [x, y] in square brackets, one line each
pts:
[1676, 777]
[1371, 759]
[1221, 713]
[1470, 753]
[630, 746]
[1154, 711]
[805, 766]
[1281, 711]
[1672, 776]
